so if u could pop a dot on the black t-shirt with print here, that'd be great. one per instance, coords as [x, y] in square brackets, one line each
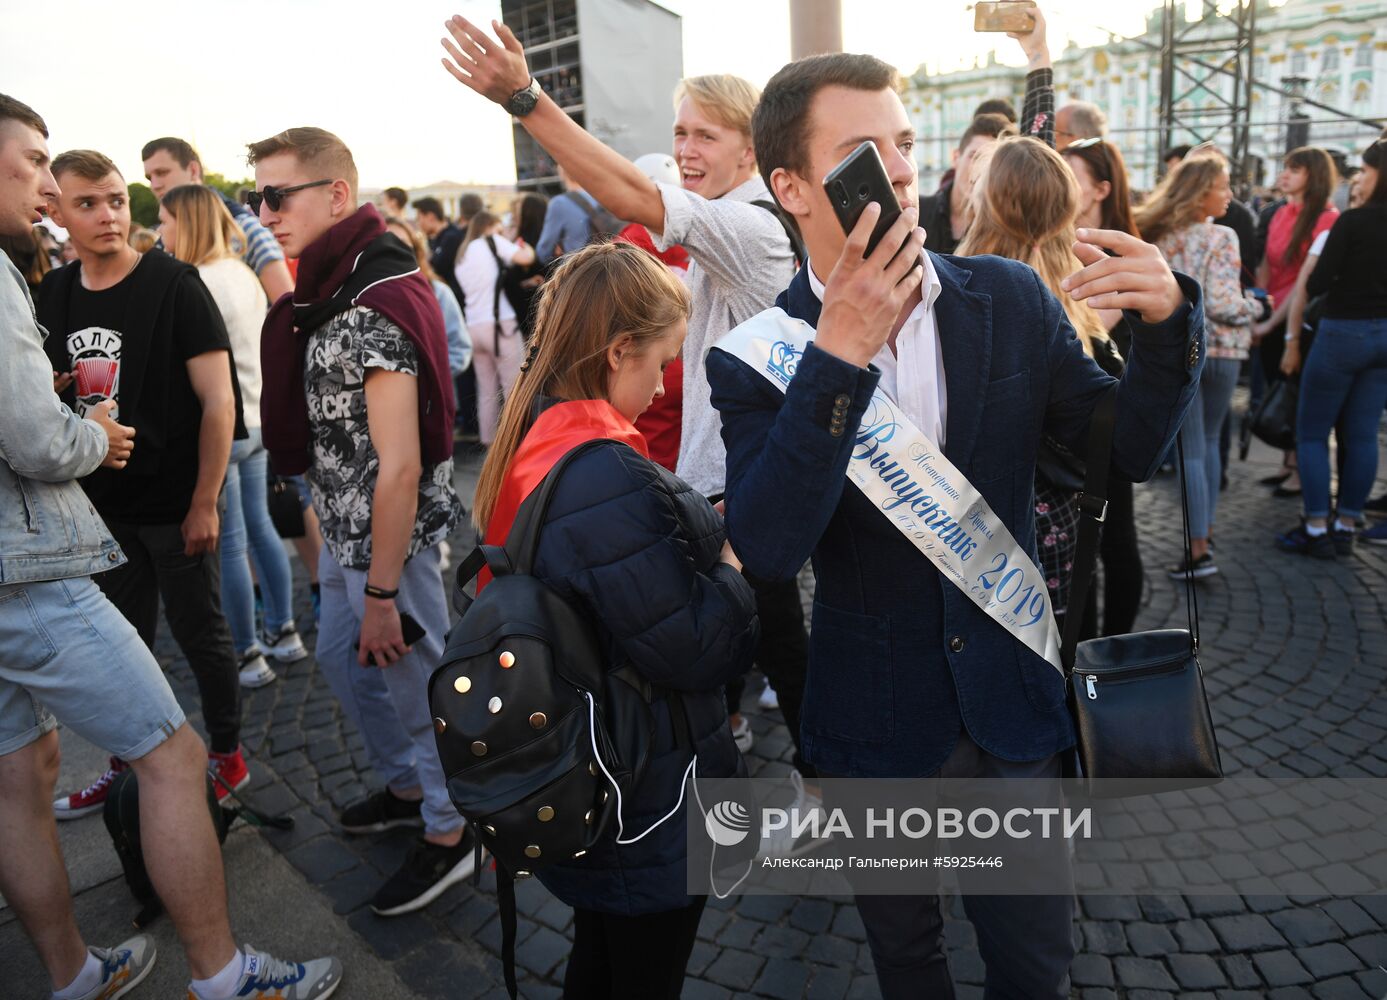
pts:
[94, 341]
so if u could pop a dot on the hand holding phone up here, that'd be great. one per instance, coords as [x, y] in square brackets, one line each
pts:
[877, 272]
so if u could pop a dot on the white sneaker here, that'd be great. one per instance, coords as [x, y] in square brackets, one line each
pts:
[284, 644]
[742, 736]
[123, 967]
[254, 671]
[783, 842]
[768, 699]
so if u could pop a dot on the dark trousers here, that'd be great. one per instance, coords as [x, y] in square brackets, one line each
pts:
[1122, 579]
[631, 958]
[1026, 942]
[191, 590]
[782, 653]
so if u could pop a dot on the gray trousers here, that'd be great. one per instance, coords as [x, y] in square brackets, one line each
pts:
[390, 705]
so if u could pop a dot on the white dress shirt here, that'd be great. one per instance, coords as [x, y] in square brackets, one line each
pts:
[913, 376]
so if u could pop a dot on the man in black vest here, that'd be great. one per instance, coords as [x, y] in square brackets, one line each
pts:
[144, 331]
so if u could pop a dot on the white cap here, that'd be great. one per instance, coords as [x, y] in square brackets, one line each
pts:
[659, 167]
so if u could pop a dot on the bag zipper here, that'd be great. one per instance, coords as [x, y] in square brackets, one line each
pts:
[1091, 680]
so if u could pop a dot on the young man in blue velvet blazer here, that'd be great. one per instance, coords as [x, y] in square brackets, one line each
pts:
[908, 677]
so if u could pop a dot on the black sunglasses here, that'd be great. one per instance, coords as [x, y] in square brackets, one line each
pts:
[274, 196]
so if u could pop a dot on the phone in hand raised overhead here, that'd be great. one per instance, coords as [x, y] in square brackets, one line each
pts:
[1004, 15]
[856, 182]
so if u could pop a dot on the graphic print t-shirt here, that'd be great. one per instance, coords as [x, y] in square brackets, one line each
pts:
[342, 475]
[97, 343]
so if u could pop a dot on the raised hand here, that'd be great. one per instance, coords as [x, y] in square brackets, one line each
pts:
[1137, 279]
[496, 70]
[863, 296]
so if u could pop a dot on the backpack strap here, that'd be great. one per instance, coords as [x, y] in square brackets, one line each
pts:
[791, 229]
[517, 555]
[589, 209]
[505, 902]
[496, 294]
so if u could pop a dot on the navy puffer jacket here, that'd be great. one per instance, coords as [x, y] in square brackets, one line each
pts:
[638, 548]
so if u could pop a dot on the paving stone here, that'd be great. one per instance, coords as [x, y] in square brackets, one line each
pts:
[440, 968]
[781, 942]
[1328, 960]
[392, 937]
[1281, 968]
[322, 858]
[1091, 970]
[783, 979]
[1195, 936]
[1150, 940]
[544, 953]
[1111, 908]
[1105, 937]
[812, 915]
[827, 950]
[1340, 988]
[1371, 948]
[1306, 925]
[828, 983]
[737, 970]
[1241, 973]
[1142, 973]
[1196, 972]
[699, 989]
[1247, 932]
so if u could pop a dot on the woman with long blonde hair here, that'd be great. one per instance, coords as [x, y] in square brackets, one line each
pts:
[1177, 219]
[197, 229]
[645, 557]
[1024, 207]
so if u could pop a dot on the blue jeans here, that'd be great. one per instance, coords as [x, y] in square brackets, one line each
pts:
[1199, 435]
[66, 651]
[1345, 374]
[247, 529]
[390, 706]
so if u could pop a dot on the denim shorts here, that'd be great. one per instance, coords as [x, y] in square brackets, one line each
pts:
[66, 651]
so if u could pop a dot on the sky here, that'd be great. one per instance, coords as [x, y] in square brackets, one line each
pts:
[112, 74]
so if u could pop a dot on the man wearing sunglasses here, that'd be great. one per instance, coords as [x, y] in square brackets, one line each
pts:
[170, 162]
[358, 396]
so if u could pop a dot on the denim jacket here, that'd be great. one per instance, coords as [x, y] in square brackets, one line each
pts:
[48, 529]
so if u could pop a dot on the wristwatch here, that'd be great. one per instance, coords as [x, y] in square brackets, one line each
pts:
[523, 101]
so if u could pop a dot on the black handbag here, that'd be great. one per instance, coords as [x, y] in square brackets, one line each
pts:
[1274, 421]
[286, 506]
[1138, 700]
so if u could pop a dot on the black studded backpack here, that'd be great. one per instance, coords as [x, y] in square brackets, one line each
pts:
[539, 740]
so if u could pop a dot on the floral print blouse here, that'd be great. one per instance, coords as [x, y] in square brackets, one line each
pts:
[1209, 254]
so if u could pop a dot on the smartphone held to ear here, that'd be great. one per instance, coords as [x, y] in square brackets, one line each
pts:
[1004, 15]
[410, 630]
[855, 183]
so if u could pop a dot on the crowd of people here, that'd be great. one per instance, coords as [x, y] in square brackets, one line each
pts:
[161, 386]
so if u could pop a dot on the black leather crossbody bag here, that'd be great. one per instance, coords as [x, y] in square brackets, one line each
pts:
[1138, 700]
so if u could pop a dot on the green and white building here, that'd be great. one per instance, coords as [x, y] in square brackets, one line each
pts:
[1340, 48]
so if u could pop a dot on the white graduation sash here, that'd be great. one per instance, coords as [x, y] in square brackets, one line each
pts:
[906, 477]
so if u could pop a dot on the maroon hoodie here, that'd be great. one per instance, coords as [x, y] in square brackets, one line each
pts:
[355, 263]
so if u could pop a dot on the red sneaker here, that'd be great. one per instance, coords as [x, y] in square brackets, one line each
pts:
[228, 771]
[91, 798]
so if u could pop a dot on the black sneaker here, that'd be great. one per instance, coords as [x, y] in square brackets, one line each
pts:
[381, 811]
[1301, 541]
[428, 870]
[1376, 507]
[1343, 540]
[1198, 570]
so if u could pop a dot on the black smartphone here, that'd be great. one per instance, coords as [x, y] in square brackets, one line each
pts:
[410, 629]
[856, 182]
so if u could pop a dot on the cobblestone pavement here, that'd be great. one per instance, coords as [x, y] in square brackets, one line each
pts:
[1295, 653]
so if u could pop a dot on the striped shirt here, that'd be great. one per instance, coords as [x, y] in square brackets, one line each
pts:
[259, 249]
